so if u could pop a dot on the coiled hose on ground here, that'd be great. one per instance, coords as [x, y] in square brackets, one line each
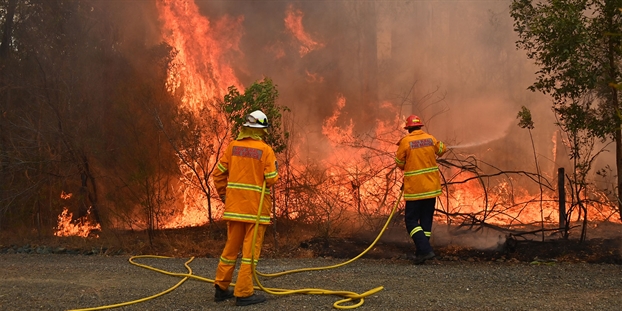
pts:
[348, 297]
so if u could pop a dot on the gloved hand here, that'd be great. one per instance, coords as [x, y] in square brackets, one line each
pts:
[222, 198]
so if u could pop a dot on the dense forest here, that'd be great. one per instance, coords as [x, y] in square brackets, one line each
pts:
[92, 124]
[78, 99]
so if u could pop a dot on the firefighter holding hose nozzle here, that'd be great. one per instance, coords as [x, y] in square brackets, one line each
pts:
[416, 156]
[242, 170]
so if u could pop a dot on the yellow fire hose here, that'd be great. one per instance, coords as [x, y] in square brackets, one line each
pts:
[348, 296]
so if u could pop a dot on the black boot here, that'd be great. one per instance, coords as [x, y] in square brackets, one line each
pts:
[420, 259]
[222, 294]
[250, 300]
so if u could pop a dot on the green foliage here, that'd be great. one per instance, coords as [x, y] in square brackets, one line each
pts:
[576, 45]
[524, 117]
[259, 96]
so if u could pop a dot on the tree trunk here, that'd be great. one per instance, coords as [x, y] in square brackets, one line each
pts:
[615, 104]
[7, 29]
[618, 136]
[91, 196]
[367, 57]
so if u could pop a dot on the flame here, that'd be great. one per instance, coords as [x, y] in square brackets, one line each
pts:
[505, 205]
[331, 130]
[355, 170]
[202, 64]
[81, 227]
[65, 196]
[346, 178]
[293, 23]
[314, 77]
[554, 151]
[200, 75]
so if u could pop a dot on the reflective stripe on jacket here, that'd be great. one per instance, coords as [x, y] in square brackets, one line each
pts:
[240, 175]
[416, 156]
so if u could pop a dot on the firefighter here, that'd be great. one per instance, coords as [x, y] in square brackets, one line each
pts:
[245, 165]
[416, 156]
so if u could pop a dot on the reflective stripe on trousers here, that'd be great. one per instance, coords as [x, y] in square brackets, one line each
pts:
[419, 215]
[239, 235]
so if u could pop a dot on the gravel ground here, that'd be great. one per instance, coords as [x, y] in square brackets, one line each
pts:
[64, 282]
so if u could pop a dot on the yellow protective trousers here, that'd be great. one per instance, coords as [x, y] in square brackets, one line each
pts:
[239, 235]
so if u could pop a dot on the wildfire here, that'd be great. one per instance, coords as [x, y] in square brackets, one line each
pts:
[81, 227]
[506, 205]
[499, 204]
[331, 130]
[293, 23]
[354, 172]
[65, 196]
[201, 73]
[202, 64]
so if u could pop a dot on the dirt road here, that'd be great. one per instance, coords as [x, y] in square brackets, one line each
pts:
[64, 282]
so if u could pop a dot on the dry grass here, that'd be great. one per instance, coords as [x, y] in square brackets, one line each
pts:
[296, 240]
[204, 241]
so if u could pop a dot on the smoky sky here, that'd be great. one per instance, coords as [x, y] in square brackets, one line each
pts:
[453, 63]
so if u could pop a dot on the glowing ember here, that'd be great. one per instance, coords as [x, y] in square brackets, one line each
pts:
[81, 227]
[65, 196]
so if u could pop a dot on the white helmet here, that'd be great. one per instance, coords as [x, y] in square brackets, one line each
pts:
[256, 119]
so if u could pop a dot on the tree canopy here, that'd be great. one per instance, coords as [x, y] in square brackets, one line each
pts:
[261, 95]
[576, 46]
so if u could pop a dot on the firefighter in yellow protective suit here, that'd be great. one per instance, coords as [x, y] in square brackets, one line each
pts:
[416, 156]
[245, 165]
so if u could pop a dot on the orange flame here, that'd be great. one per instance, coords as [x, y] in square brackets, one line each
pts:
[202, 64]
[334, 133]
[203, 70]
[504, 205]
[81, 227]
[314, 77]
[293, 23]
[201, 73]
[65, 196]
[348, 177]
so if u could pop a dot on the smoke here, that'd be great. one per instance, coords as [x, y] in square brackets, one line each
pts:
[452, 63]
[484, 239]
[493, 136]
[444, 236]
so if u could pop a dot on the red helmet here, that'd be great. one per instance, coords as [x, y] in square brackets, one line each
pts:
[412, 121]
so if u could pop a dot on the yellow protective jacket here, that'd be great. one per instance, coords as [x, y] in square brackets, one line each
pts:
[416, 156]
[240, 175]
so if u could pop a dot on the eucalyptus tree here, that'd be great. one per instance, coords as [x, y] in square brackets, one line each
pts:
[576, 46]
